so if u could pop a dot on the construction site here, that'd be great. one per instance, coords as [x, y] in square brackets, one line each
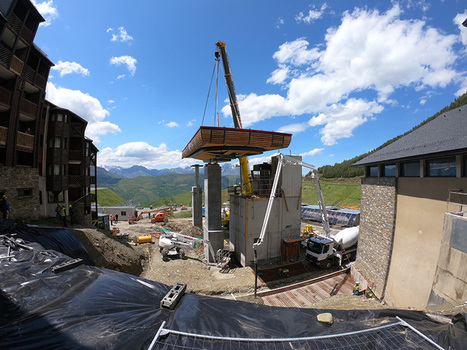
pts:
[253, 275]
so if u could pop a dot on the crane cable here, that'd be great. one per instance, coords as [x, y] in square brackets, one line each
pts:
[209, 91]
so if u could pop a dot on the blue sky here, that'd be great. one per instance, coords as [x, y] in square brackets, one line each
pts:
[342, 76]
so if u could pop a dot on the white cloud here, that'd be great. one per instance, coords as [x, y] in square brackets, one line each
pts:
[47, 10]
[86, 107]
[293, 128]
[121, 36]
[356, 61]
[279, 75]
[458, 20]
[143, 154]
[312, 15]
[172, 124]
[128, 61]
[70, 67]
[313, 152]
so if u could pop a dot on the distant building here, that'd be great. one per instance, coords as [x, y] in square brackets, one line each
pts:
[413, 227]
[44, 155]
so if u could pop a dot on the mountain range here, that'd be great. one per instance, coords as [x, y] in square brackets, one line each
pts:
[138, 170]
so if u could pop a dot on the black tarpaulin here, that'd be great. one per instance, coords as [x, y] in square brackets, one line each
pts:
[88, 307]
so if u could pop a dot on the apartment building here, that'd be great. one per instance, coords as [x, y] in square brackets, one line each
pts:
[44, 156]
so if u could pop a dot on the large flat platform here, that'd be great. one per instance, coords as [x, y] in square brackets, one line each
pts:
[218, 144]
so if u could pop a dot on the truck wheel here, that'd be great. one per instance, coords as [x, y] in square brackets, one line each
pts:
[161, 249]
[182, 254]
[326, 264]
[165, 256]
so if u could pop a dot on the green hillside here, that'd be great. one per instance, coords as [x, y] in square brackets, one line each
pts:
[108, 198]
[335, 194]
[165, 189]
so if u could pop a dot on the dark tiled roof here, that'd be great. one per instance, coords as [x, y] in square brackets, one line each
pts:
[444, 134]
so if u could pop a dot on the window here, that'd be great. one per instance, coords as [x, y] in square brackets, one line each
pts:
[24, 192]
[373, 171]
[464, 162]
[410, 169]
[441, 167]
[390, 170]
[123, 213]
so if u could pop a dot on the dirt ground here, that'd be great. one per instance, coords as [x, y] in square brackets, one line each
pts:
[119, 252]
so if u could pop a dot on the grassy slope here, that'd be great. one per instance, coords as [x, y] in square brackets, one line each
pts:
[108, 198]
[337, 192]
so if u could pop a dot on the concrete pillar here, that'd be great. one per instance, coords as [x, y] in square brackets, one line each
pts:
[197, 200]
[213, 231]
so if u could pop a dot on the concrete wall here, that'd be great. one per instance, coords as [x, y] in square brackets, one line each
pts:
[450, 283]
[377, 219]
[421, 207]
[14, 178]
[247, 216]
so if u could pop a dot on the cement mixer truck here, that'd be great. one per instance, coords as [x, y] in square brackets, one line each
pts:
[332, 250]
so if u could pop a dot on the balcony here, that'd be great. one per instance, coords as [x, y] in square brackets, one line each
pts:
[3, 135]
[5, 55]
[34, 78]
[17, 65]
[15, 23]
[5, 98]
[57, 183]
[78, 181]
[25, 142]
[76, 155]
[28, 108]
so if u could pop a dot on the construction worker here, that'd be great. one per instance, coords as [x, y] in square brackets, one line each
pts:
[4, 206]
[70, 212]
[356, 289]
[58, 212]
[116, 218]
[64, 216]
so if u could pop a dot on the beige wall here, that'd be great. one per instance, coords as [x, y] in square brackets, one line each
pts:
[421, 206]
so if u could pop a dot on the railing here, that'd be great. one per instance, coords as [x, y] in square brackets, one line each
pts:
[75, 155]
[25, 141]
[5, 97]
[5, 55]
[15, 23]
[28, 107]
[17, 65]
[3, 135]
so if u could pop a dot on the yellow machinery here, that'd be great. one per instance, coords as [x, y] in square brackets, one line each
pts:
[244, 168]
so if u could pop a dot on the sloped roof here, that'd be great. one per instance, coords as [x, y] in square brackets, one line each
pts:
[446, 134]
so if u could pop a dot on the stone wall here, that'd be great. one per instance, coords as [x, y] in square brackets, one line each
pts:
[377, 222]
[22, 191]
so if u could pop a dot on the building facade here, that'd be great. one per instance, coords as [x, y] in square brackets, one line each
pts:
[42, 159]
[413, 231]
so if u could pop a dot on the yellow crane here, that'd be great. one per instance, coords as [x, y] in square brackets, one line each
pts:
[244, 167]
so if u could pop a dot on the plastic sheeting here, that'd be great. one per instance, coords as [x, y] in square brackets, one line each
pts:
[94, 308]
[336, 216]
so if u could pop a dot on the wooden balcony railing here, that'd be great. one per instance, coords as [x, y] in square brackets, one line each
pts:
[29, 108]
[75, 155]
[5, 55]
[25, 142]
[5, 97]
[17, 65]
[16, 24]
[3, 135]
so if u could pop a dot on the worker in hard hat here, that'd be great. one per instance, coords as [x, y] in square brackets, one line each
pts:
[4, 206]
[356, 289]
[70, 212]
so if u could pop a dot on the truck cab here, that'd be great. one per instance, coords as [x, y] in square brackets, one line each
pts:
[319, 250]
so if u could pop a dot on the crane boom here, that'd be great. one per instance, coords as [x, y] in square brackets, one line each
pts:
[244, 167]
